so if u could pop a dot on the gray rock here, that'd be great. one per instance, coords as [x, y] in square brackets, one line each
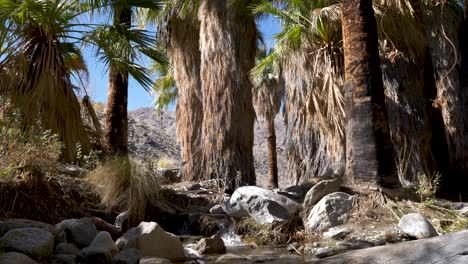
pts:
[80, 232]
[15, 258]
[356, 244]
[262, 205]
[67, 248]
[331, 211]
[217, 209]
[128, 256]
[101, 249]
[64, 259]
[416, 225]
[152, 241]
[121, 220]
[168, 176]
[37, 243]
[74, 171]
[233, 258]
[153, 260]
[297, 192]
[11, 224]
[337, 232]
[325, 252]
[451, 248]
[211, 245]
[317, 192]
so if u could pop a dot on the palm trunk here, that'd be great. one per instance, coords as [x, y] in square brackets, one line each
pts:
[369, 153]
[228, 46]
[185, 56]
[116, 133]
[272, 158]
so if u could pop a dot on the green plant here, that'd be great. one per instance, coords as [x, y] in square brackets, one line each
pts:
[90, 160]
[428, 186]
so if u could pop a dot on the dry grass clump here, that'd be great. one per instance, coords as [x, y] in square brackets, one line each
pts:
[127, 184]
[166, 163]
[278, 233]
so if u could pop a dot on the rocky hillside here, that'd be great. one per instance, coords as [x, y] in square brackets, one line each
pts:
[153, 136]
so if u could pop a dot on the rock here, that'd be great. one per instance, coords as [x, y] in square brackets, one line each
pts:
[451, 248]
[168, 176]
[121, 220]
[67, 248]
[128, 256]
[217, 209]
[337, 232]
[232, 258]
[207, 224]
[325, 252]
[63, 259]
[297, 192]
[15, 258]
[37, 243]
[152, 241]
[317, 192]
[74, 171]
[153, 260]
[331, 211]
[262, 205]
[356, 244]
[11, 224]
[80, 232]
[211, 245]
[101, 249]
[416, 225]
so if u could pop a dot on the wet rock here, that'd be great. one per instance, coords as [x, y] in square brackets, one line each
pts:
[37, 243]
[80, 232]
[451, 248]
[211, 245]
[67, 248]
[232, 258]
[217, 209]
[337, 232]
[101, 250]
[416, 225]
[331, 211]
[317, 192]
[153, 260]
[128, 256]
[355, 244]
[152, 241]
[63, 259]
[262, 205]
[15, 258]
[207, 224]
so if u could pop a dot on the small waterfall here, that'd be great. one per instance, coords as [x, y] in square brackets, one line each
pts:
[230, 238]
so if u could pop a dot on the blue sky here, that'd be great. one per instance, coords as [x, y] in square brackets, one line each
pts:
[138, 97]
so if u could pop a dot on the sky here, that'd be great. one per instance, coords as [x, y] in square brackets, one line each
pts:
[137, 96]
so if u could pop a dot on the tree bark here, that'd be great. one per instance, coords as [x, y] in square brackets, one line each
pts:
[272, 155]
[369, 153]
[185, 57]
[228, 45]
[116, 132]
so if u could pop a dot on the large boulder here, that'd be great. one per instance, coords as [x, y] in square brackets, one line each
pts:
[152, 241]
[63, 259]
[331, 211]
[211, 245]
[451, 248]
[37, 243]
[128, 256]
[262, 205]
[416, 225]
[101, 250]
[321, 189]
[67, 248]
[11, 224]
[15, 258]
[80, 232]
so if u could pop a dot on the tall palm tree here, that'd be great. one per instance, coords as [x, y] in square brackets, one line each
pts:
[369, 153]
[39, 57]
[228, 38]
[268, 95]
[121, 46]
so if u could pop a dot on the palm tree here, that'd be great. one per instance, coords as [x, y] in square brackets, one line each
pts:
[121, 47]
[228, 38]
[369, 153]
[39, 57]
[268, 95]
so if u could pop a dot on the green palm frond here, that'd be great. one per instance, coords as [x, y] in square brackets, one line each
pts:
[164, 87]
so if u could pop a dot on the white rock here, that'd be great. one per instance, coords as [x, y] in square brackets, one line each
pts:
[331, 211]
[262, 205]
[416, 225]
[152, 241]
[337, 232]
[37, 243]
[319, 190]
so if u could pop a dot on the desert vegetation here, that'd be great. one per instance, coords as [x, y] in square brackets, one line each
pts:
[373, 94]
